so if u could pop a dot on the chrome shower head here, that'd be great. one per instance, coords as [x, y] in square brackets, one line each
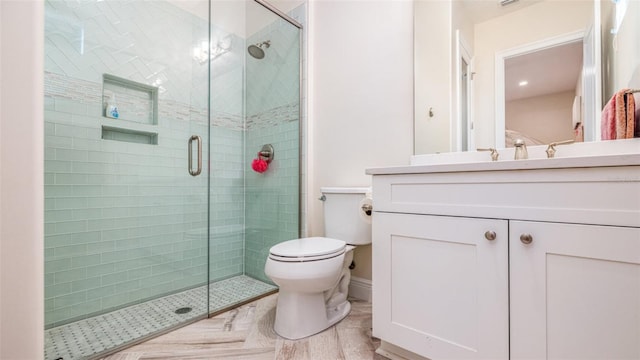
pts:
[256, 50]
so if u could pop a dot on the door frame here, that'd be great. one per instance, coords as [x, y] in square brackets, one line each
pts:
[463, 53]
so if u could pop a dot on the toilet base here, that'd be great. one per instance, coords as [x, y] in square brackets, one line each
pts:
[299, 315]
[337, 313]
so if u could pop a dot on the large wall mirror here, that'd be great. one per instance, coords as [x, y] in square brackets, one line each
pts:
[487, 72]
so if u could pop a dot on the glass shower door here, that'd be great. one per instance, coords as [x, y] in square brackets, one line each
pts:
[254, 101]
[126, 112]
[273, 117]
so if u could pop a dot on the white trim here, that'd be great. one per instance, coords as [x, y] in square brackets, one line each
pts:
[462, 52]
[471, 128]
[454, 134]
[500, 58]
[360, 288]
[597, 44]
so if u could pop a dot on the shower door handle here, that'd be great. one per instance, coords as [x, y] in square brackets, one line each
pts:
[197, 171]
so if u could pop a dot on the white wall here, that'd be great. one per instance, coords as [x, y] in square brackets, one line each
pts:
[460, 20]
[434, 76]
[547, 118]
[21, 187]
[361, 97]
[515, 29]
[627, 56]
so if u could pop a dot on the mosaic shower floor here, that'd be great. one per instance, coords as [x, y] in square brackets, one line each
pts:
[93, 336]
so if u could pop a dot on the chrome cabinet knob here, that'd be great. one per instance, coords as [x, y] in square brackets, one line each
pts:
[526, 238]
[490, 235]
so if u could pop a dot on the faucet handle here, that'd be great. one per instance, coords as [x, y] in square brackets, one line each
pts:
[551, 149]
[494, 153]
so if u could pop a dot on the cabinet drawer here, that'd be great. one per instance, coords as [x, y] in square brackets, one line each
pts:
[604, 195]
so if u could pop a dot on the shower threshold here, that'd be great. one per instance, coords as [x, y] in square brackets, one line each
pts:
[98, 336]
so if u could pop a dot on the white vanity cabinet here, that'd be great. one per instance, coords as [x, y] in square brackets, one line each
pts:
[560, 279]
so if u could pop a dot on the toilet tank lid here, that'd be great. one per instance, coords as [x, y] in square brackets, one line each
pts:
[345, 190]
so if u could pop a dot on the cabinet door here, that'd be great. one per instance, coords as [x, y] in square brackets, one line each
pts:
[575, 291]
[440, 287]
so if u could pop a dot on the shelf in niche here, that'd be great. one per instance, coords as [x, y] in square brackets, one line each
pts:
[136, 102]
[129, 135]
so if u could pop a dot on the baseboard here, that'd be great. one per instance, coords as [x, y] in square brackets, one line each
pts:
[393, 352]
[360, 288]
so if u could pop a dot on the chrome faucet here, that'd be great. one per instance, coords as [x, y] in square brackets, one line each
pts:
[521, 150]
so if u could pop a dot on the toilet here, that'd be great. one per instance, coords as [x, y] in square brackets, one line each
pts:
[313, 273]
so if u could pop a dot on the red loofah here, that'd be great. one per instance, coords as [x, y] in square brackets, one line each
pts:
[259, 165]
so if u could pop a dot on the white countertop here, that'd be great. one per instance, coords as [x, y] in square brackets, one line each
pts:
[555, 163]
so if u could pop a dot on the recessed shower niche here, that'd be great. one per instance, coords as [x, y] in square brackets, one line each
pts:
[136, 102]
[126, 104]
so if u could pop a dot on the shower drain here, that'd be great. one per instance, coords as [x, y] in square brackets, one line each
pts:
[183, 310]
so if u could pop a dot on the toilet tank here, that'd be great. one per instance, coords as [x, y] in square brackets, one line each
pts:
[344, 218]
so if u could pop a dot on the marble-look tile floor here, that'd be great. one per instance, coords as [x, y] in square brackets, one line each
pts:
[247, 333]
[85, 338]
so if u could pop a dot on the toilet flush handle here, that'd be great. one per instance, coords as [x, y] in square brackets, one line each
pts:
[367, 208]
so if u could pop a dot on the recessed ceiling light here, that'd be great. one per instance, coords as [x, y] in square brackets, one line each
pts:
[523, 83]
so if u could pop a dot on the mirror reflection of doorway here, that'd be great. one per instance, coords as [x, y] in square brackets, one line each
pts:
[543, 95]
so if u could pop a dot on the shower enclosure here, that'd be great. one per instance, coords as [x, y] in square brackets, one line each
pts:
[154, 112]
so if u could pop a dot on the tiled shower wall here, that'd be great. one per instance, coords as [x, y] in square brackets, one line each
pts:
[273, 117]
[124, 221]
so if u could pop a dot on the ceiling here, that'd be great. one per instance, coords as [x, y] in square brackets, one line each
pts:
[548, 71]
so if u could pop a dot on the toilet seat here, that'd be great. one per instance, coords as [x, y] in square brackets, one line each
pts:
[307, 249]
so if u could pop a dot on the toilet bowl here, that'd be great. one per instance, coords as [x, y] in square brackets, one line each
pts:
[313, 273]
